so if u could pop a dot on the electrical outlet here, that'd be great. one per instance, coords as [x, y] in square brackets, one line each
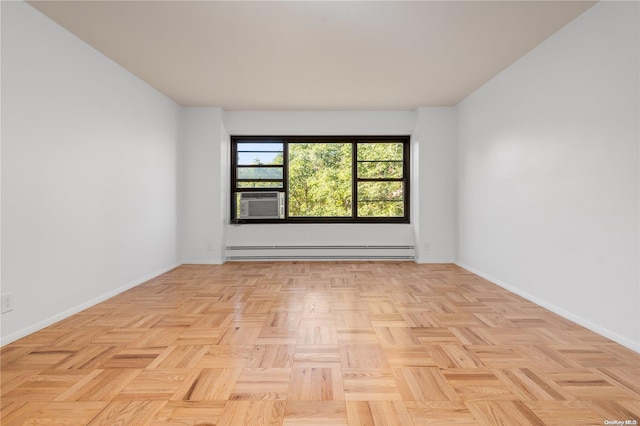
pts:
[209, 245]
[427, 246]
[6, 302]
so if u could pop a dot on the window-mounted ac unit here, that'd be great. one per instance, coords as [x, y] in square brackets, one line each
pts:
[261, 205]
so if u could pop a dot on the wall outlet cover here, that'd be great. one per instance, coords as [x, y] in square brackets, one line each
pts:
[6, 302]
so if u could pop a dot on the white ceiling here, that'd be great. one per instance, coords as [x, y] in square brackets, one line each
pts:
[314, 55]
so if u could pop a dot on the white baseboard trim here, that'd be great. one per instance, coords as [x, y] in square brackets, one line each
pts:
[624, 341]
[4, 340]
[320, 252]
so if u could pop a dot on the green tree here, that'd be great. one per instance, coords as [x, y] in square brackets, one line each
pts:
[320, 179]
[380, 161]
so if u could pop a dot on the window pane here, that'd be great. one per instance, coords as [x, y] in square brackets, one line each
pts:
[260, 146]
[253, 158]
[238, 196]
[260, 184]
[259, 173]
[320, 180]
[379, 170]
[380, 151]
[380, 199]
[381, 209]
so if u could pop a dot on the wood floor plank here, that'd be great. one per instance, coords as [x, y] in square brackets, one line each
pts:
[477, 384]
[507, 413]
[627, 378]
[46, 386]
[67, 413]
[309, 343]
[315, 413]
[212, 384]
[408, 356]
[530, 385]
[154, 384]
[132, 357]
[588, 385]
[319, 356]
[200, 413]
[316, 384]
[134, 413]
[363, 356]
[271, 356]
[442, 413]
[565, 412]
[103, 385]
[424, 384]
[626, 410]
[262, 384]
[11, 379]
[370, 384]
[17, 413]
[378, 413]
[257, 413]
[225, 356]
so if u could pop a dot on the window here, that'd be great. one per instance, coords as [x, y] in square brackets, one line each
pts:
[320, 179]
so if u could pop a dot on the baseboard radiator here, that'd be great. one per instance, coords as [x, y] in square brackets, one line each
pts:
[339, 252]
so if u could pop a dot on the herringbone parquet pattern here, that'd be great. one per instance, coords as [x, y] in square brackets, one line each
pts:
[303, 343]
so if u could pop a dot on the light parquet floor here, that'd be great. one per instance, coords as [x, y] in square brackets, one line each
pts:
[308, 343]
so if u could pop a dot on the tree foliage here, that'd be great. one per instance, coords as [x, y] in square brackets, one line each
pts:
[380, 198]
[320, 179]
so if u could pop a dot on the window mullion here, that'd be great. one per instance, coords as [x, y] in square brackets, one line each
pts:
[354, 179]
[285, 176]
[234, 182]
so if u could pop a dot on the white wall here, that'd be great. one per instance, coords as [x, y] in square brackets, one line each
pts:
[434, 185]
[320, 123]
[549, 192]
[203, 159]
[88, 174]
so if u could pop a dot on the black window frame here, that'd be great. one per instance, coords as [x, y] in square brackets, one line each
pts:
[286, 140]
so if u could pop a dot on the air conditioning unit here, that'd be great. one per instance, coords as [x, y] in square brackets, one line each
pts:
[261, 205]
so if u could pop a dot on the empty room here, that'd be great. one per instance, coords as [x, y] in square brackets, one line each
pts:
[320, 212]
